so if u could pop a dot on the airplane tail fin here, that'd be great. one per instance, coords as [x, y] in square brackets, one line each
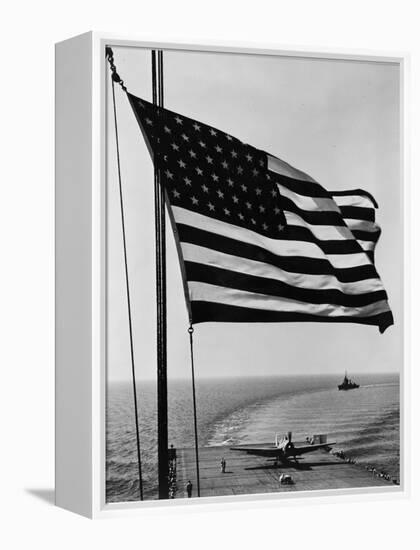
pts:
[280, 439]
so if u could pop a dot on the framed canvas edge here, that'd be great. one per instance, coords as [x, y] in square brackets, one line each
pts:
[101, 509]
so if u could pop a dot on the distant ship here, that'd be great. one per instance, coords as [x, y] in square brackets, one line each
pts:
[347, 384]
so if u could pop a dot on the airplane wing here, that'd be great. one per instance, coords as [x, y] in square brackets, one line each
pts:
[273, 451]
[309, 448]
[268, 450]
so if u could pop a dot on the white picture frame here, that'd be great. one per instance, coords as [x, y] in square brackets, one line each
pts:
[81, 72]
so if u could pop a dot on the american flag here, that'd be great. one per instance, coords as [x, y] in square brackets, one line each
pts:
[258, 240]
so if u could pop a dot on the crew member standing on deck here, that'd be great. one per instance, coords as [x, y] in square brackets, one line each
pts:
[189, 488]
[223, 465]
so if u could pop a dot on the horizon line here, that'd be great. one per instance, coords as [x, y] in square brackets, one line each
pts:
[221, 376]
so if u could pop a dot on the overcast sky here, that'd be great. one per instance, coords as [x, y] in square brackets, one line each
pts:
[336, 120]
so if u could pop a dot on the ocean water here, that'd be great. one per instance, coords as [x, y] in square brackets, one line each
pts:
[363, 422]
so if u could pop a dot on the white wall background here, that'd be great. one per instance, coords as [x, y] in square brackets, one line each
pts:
[28, 31]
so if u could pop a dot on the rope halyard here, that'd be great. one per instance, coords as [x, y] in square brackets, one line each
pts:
[191, 332]
[109, 54]
[117, 79]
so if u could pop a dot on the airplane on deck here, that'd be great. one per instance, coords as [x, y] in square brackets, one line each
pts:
[283, 448]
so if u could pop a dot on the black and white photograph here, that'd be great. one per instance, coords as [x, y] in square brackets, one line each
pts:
[254, 274]
[209, 276]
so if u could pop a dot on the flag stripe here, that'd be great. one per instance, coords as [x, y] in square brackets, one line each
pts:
[243, 264]
[205, 311]
[320, 232]
[314, 217]
[349, 197]
[361, 201]
[298, 233]
[315, 204]
[275, 288]
[290, 263]
[367, 245]
[362, 225]
[358, 213]
[304, 188]
[231, 296]
[366, 235]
